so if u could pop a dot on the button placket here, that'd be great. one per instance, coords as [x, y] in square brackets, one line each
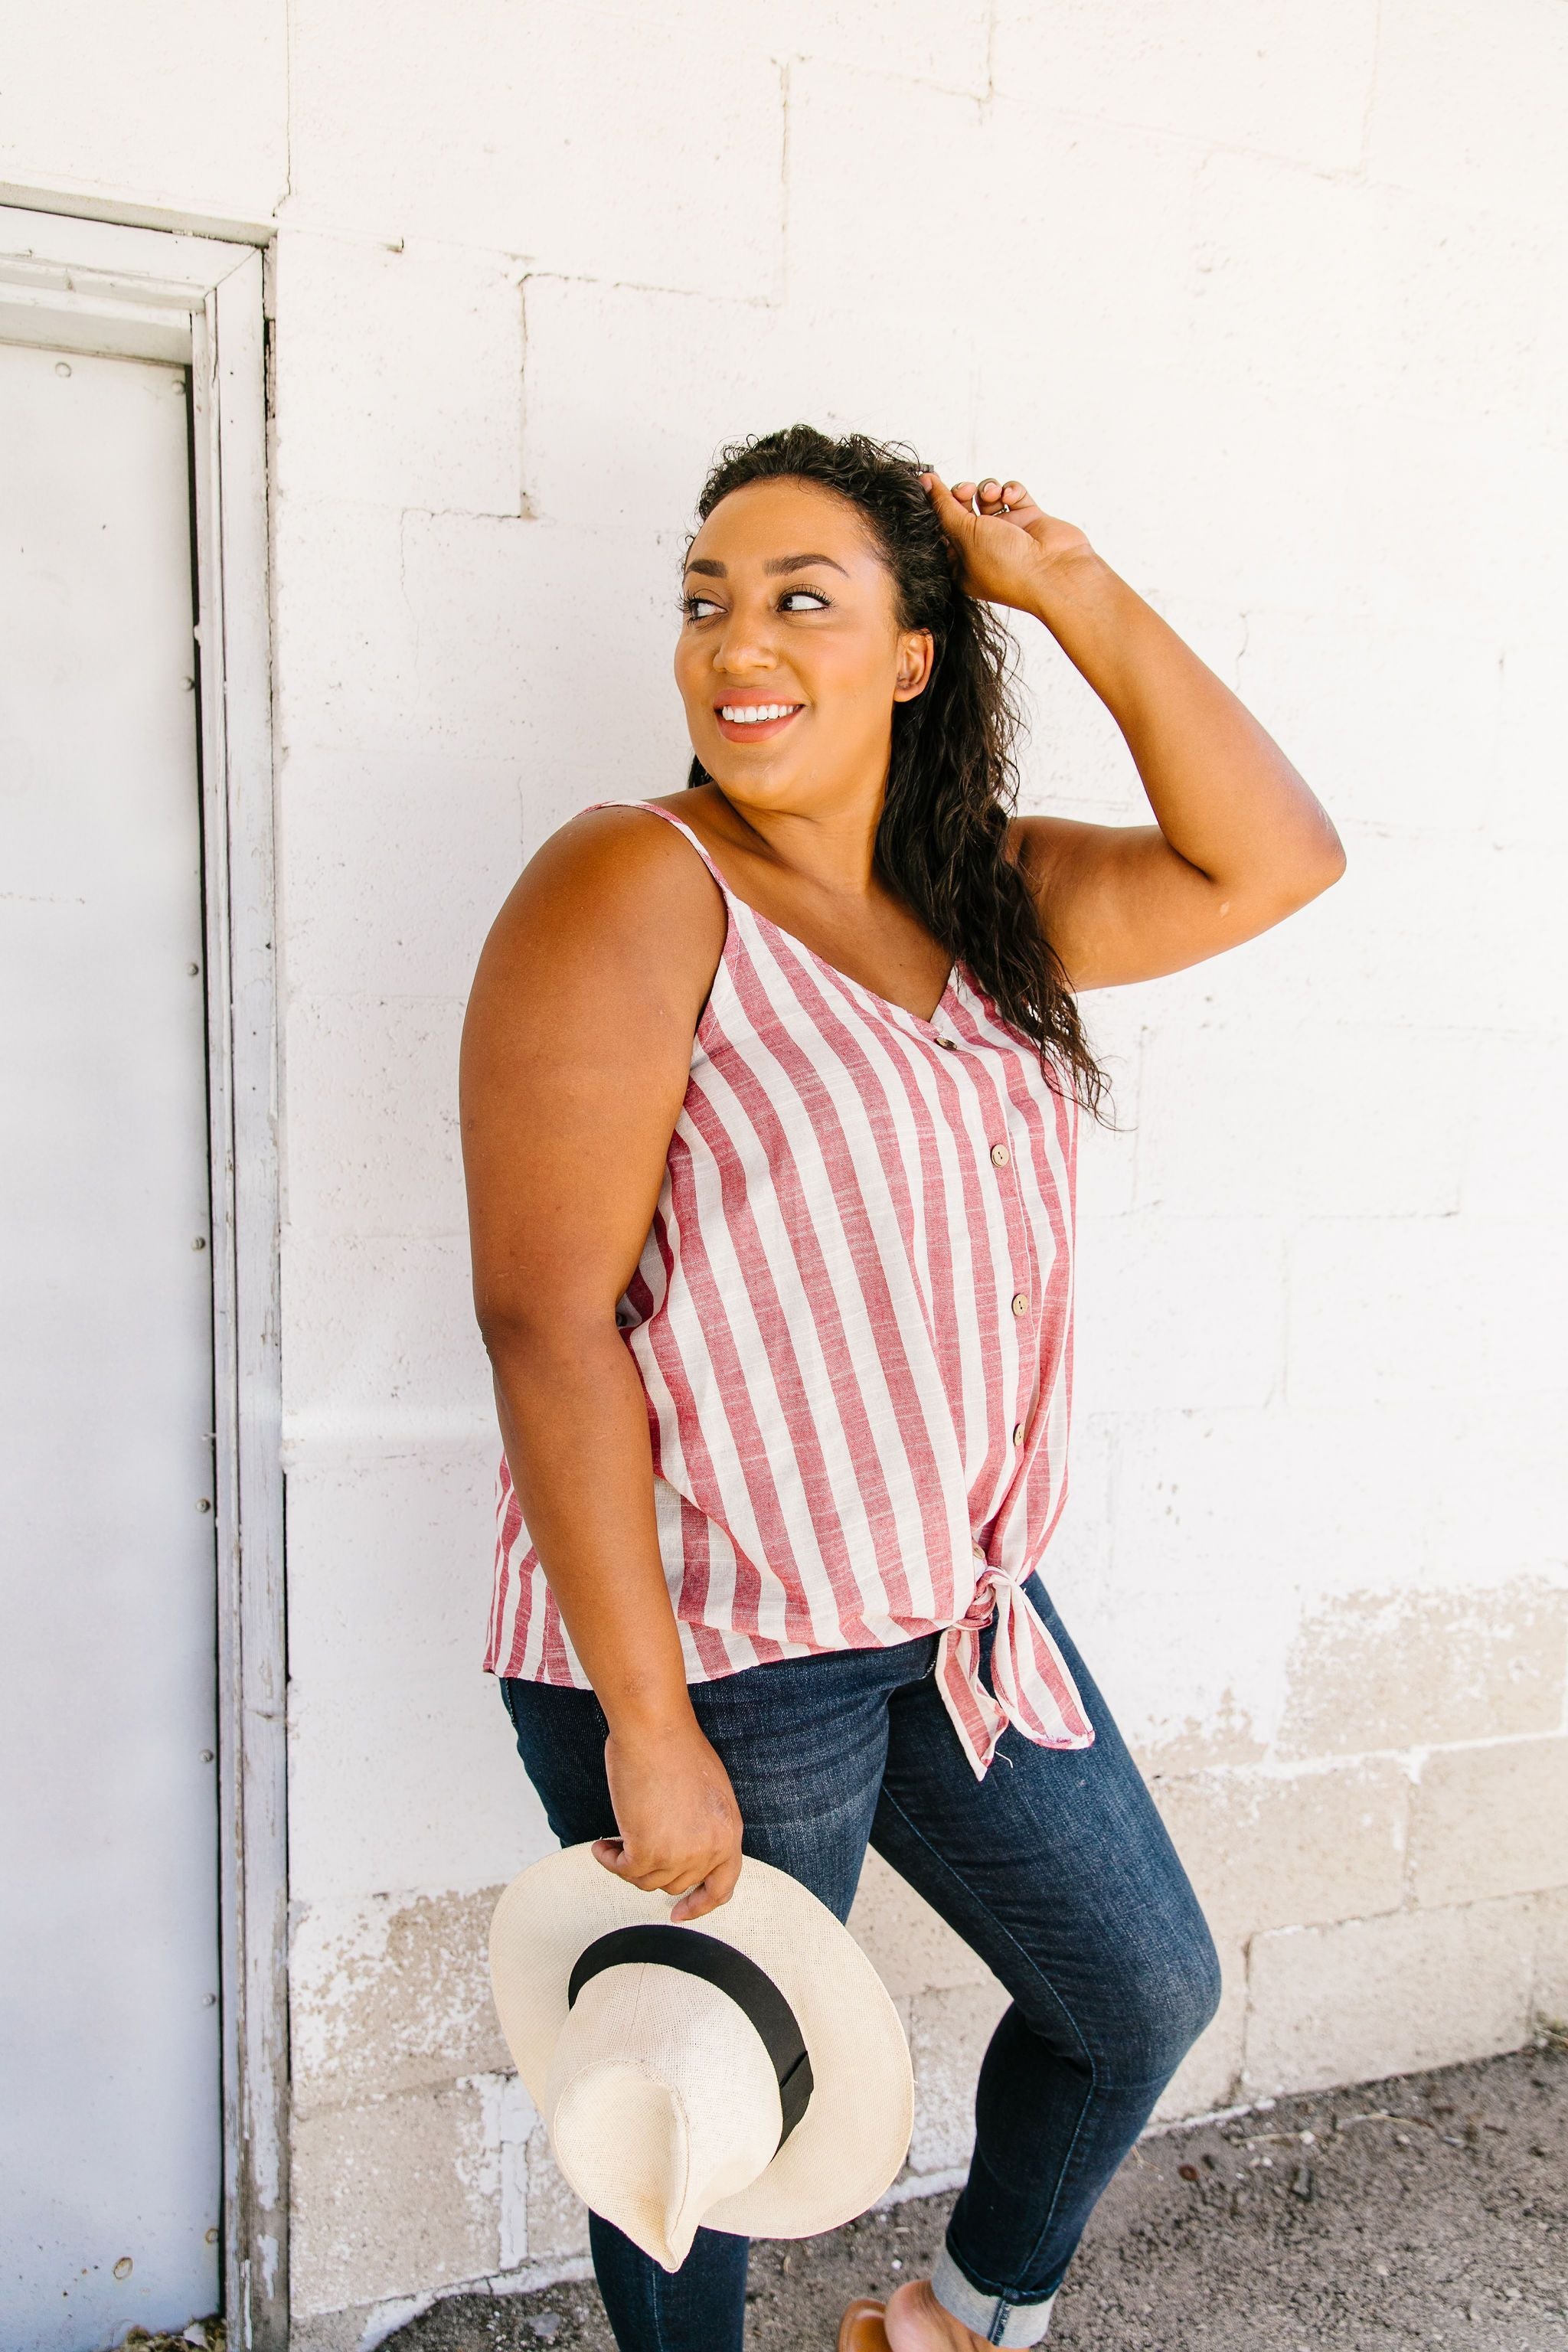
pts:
[1000, 1157]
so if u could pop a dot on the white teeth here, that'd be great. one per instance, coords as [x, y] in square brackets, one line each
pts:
[753, 714]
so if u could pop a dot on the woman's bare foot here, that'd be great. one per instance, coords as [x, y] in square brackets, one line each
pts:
[916, 2321]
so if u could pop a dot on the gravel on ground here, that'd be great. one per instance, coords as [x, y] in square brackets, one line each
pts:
[1426, 2211]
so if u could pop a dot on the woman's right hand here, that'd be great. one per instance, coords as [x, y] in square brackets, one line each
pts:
[680, 1825]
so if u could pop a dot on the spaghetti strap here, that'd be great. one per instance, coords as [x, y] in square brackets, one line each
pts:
[670, 817]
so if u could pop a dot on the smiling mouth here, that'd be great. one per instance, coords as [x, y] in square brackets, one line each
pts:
[754, 714]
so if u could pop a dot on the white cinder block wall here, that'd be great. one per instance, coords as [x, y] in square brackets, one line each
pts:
[1270, 300]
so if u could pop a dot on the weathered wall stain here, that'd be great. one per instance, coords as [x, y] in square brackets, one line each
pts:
[1408, 1669]
[393, 1996]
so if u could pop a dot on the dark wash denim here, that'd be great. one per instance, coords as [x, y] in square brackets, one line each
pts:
[1056, 1868]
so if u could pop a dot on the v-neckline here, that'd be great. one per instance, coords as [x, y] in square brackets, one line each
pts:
[887, 1004]
[951, 985]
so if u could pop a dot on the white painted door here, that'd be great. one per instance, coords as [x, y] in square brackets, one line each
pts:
[110, 2123]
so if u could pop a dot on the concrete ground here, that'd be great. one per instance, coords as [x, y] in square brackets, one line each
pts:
[1428, 2211]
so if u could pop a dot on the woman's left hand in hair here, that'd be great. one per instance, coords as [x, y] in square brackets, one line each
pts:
[1007, 544]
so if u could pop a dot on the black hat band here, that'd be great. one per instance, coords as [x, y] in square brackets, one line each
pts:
[750, 1989]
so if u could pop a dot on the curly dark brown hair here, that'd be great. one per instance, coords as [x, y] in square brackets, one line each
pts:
[951, 780]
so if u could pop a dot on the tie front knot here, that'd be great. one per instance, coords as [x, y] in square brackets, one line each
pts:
[1031, 1685]
[986, 1601]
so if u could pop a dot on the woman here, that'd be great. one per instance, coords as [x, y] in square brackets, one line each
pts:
[770, 1097]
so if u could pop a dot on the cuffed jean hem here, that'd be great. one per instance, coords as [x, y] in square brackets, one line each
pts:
[992, 2316]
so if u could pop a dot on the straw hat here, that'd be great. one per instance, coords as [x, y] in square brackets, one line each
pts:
[746, 2072]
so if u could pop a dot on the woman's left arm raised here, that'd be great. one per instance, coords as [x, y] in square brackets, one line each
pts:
[1240, 841]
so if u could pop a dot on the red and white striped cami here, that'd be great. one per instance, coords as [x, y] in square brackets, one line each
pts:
[853, 1321]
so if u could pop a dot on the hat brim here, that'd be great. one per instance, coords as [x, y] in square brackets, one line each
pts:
[852, 2139]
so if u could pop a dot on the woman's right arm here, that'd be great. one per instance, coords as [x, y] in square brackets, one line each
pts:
[576, 1052]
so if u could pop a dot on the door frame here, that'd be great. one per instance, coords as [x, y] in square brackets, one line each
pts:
[92, 285]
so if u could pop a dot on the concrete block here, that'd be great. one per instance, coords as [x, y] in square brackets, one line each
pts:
[1497, 1445]
[1378, 947]
[1184, 482]
[894, 375]
[1529, 798]
[1187, 1314]
[509, 668]
[1208, 2075]
[1224, 1734]
[1388, 1311]
[1234, 1512]
[1258, 1119]
[1236, 74]
[404, 1773]
[1073, 760]
[1220, 990]
[370, 1143]
[350, 2330]
[380, 1339]
[462, 639]
[725, 369]
[1253, 1590]
[397, 2196]
[1490, 1821]
[391, 1994]
[399, 374]
[912, 1950]
[557, 2218]
[606, 141]
[1550, 1994]
[1189, 1645]
[912, 40]
[1233, 498]
[1521, 945]
[906, 136]
[1079, 1552]
[1407, 737]
[1488, 138]
[1398, 540]
[1117, 1025]
[421, 846]
[1388, 1996]
[1352, 292]
[587, 461]
[1266, 1849]
[1411, 1669]
[1098, 227]
[949, 2030]
[1108, 1155]
[208, 133]
[345, 646]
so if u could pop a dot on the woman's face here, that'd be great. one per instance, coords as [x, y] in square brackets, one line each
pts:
[790, 658]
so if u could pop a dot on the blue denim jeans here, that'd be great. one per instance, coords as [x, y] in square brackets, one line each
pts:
[1056, 1869]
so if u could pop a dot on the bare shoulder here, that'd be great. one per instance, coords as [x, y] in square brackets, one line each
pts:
[616, 888]
[611, 864]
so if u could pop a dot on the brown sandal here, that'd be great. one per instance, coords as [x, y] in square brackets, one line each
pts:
[861, 2328]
